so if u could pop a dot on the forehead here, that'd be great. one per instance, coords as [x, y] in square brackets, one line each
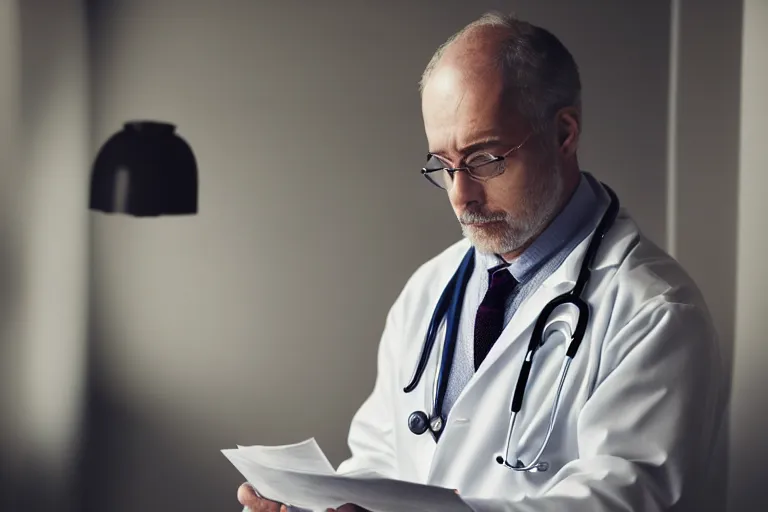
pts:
[462, 106]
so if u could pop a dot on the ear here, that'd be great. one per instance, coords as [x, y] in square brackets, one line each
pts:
[568, 131]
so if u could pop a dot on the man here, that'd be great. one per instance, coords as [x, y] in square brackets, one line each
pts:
[639, 405]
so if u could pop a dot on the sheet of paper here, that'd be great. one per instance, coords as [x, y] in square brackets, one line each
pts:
[306, 455]
[301, 475]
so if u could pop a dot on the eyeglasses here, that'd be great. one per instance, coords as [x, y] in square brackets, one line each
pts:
[480, 167]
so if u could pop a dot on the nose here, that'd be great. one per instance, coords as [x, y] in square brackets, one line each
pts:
[465, 190]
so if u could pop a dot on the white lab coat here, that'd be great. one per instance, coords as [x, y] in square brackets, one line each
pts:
[641, 406]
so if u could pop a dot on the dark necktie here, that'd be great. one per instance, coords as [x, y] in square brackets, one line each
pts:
[489, 321]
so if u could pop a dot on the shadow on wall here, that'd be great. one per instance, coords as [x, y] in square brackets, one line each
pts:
[171, 464]
[135, 450]
[11, 477]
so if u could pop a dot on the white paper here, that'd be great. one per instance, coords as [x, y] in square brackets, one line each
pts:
[301, 475]
[306, 455]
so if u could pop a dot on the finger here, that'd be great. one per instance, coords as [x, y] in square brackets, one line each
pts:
[264, 505]
[255, 503]
[246, 494]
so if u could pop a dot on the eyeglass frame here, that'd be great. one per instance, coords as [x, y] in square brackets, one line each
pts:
[468, 168]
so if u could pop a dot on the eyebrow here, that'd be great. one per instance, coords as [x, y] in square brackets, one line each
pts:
[477, 146]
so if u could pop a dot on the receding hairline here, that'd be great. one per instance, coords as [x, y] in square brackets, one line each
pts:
[536, 68]
[491, 30]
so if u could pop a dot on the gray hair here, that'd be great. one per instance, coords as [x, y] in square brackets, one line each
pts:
[539, 72]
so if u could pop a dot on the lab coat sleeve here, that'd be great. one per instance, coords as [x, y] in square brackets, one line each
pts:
[371, 434]
[649, 425]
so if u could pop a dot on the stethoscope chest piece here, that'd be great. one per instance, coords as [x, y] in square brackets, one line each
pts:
[418, 423]
[436, 424]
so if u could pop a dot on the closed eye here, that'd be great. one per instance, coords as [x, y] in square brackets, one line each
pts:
[481, 159]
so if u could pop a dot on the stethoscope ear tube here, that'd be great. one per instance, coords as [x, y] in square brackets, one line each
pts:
[522, 380]
[429, 341]
[443, 304]
[581, 327]
[451, 335]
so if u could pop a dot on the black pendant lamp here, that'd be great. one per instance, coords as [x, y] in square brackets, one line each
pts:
[145, 170]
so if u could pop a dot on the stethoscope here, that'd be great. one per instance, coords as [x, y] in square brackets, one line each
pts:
[449, 306]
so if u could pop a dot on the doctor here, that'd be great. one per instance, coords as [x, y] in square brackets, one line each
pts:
[607, 399]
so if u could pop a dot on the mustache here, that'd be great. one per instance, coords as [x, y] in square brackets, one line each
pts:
[479, 217]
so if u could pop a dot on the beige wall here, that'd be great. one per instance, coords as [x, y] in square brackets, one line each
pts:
[749, 423]
[257, 321]
[705, 151]
[703, 169]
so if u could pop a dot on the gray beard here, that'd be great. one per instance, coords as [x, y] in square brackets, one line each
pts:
[539, 208]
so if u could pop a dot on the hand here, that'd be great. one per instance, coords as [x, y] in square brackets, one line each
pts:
[349, 507]
[248, 498]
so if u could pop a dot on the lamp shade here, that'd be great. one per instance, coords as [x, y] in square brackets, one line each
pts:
[145, 170]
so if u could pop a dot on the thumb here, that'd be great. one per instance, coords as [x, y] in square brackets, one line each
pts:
[247, 496]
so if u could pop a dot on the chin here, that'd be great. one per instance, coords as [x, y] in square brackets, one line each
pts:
[488, 244]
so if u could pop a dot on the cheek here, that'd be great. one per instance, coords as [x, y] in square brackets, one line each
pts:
[457, 203]
[520, 179]
[504, 200]
[505, 194]
[516, 195]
